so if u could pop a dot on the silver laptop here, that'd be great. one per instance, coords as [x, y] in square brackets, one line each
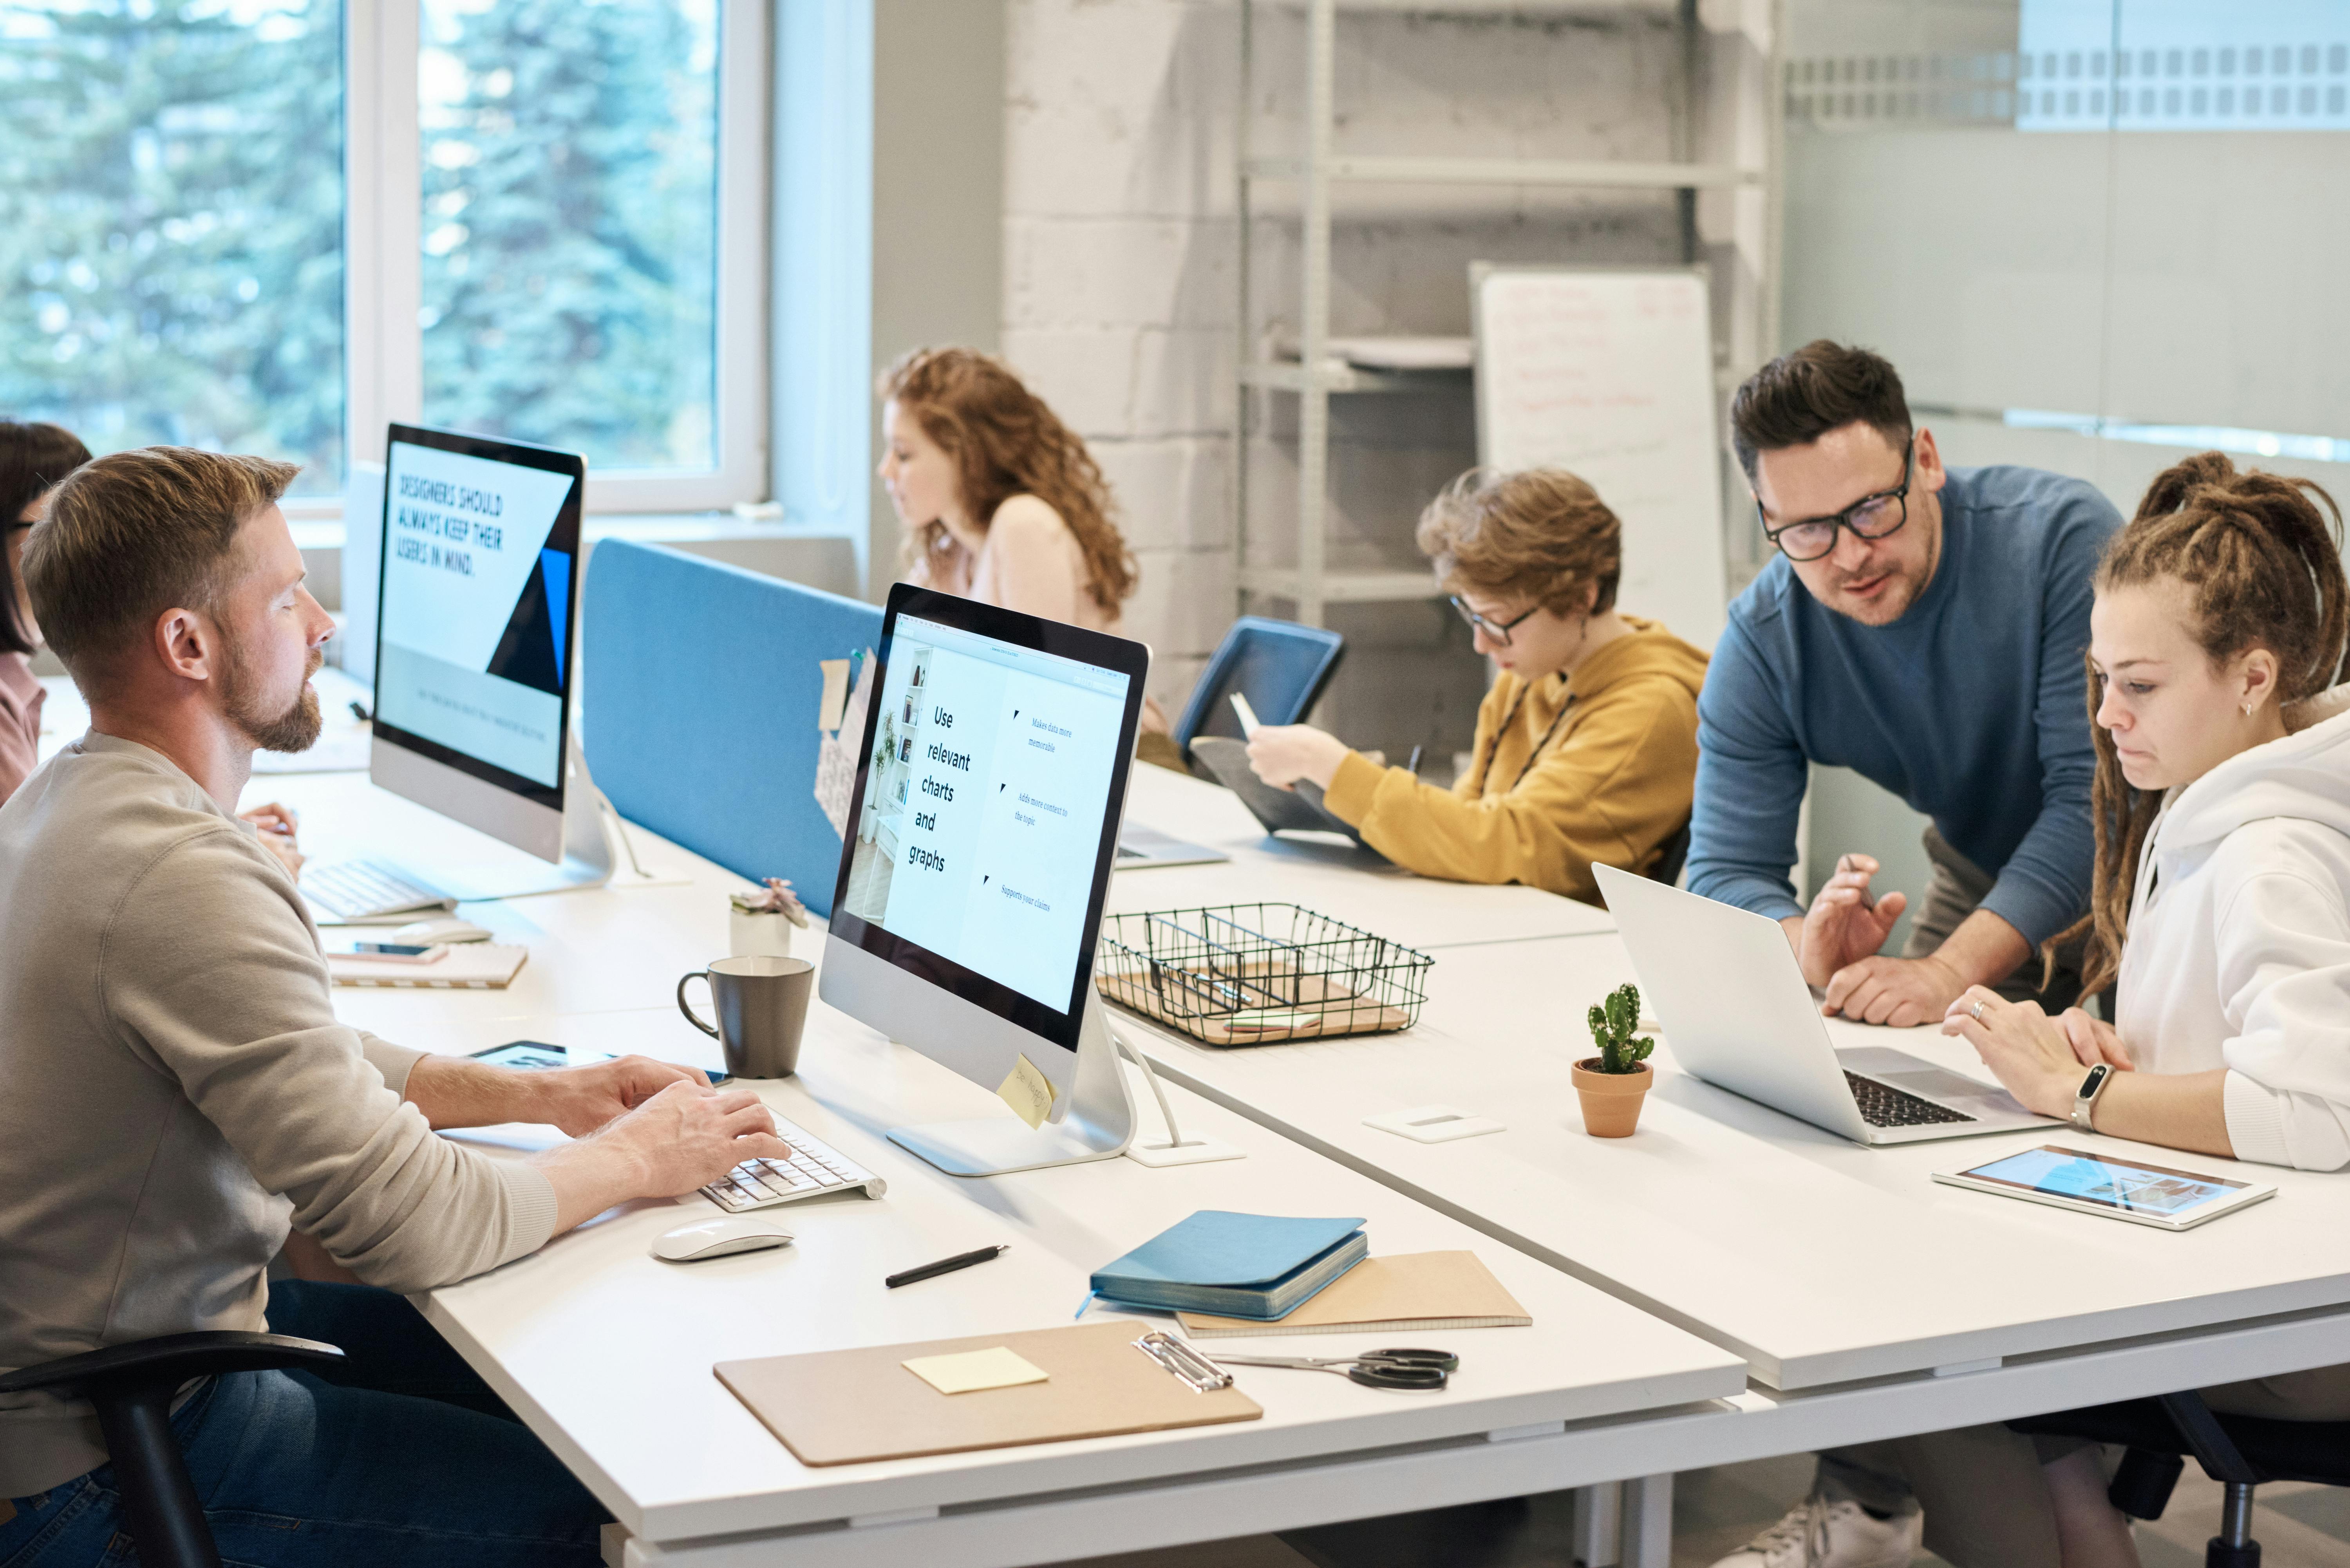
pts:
[1138, 847]
[1726, 987]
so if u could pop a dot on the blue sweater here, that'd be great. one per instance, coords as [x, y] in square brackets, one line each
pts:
[1969, 707]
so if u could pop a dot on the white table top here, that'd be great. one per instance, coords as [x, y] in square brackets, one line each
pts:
[607, 1352]
[1325, 874]
[1819, 1259]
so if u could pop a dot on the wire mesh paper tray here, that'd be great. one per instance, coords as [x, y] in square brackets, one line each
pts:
[1252, 974]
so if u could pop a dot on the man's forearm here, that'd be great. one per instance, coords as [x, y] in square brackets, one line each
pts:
[455, 1092]
[1985, 949]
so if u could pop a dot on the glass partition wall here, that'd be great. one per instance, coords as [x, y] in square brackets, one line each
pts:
[2096, 236]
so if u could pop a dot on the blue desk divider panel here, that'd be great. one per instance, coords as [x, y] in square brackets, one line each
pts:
[701, 689]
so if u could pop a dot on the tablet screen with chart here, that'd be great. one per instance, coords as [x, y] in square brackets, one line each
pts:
[2116, 1184]
[985, 804]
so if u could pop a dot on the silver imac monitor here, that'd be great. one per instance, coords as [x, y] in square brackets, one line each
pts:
[990, 785]
[477, 594]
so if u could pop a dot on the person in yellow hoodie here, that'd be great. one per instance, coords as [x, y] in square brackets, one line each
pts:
[1586, 745]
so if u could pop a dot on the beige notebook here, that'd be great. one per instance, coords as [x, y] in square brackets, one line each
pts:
[846, 1406]
[1414, 1290]
[463, 966]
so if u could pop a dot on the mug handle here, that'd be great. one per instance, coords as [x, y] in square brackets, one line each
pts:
[682, 1007]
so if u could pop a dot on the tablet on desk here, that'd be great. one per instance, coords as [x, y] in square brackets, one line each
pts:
[2109, 1185]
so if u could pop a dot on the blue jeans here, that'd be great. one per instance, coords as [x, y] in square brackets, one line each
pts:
[405, 1458]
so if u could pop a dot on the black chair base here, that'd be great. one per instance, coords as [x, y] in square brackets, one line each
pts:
[2241, 1452]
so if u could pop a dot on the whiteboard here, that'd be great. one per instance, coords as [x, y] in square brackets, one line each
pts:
[1609, 375]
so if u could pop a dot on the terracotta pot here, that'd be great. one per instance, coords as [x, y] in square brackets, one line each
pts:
[1611, 1101]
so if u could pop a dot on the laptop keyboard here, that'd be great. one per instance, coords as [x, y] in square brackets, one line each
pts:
[356, 889]
[1882, 1105]
[814, 1169]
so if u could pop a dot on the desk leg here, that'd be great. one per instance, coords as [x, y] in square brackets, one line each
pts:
[1649, 1522]
[615, 1543]
[1599, 1515]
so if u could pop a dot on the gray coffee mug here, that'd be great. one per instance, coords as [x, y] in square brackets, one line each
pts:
[762, 1004]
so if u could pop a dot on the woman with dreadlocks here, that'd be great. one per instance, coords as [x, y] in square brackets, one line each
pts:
[2220, 908]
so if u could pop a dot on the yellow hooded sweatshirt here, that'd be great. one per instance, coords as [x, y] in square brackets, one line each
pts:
[1613, 782]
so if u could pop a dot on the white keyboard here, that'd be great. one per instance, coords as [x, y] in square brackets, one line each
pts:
[814, 1169]
[359, 889]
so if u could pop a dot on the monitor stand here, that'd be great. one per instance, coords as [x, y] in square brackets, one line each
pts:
[590, 823]
[1099, 1126]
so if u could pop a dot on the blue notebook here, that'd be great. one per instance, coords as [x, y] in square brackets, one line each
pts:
[1256, 1266]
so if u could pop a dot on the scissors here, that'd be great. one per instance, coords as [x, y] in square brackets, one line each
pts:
[1401, 1368]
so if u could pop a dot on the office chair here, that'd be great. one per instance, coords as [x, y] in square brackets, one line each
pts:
[131, 1385]
[1279, 666]
[2240, 1452]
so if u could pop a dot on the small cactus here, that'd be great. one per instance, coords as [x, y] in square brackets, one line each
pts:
[1613, 1026]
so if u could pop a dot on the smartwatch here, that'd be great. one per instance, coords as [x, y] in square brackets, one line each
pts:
[2084, 1098]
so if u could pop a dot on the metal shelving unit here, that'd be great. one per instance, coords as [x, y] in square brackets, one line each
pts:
[1747, 118]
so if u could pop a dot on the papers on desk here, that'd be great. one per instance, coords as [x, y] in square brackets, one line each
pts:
[1411, 1291]
[464, 966]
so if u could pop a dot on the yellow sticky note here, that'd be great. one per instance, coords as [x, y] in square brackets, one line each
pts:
[1028, 1091]
[836, 693]
[975, 1370]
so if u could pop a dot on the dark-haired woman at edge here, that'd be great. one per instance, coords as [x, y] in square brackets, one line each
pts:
[32, 458]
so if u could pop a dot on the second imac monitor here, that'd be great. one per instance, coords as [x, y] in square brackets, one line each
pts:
[984, 828]
[478, 587]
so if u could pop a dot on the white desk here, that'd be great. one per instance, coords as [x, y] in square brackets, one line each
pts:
[1329, 876]
[607, 1352]
[1823, 1262]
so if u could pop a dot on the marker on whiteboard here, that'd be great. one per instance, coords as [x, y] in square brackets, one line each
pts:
[1249, 726]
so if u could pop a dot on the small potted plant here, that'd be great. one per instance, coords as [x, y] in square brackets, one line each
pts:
[1612, 1085]
[761, 921]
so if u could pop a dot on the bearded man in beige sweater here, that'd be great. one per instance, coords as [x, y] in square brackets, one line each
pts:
[178, 1093]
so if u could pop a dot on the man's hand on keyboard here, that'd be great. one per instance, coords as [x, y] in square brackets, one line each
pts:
[680, 1138]
[581, 1099]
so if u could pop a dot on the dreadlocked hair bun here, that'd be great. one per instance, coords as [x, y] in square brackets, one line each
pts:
[2260, 557]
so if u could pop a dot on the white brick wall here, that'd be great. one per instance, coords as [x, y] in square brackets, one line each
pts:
[1119, 293]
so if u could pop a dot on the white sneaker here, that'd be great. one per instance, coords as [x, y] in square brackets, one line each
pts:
[1818, 1533]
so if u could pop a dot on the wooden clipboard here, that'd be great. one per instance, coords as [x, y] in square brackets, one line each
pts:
[848, 1406]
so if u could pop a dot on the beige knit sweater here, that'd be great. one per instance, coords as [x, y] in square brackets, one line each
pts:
[174, 1090]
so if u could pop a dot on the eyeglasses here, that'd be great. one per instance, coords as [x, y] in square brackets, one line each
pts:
[1499, 630]
[1870, 517]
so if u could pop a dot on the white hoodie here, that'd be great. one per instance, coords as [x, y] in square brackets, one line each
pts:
[2239, 951]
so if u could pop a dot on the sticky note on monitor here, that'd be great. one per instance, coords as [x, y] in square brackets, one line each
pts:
[975, 1370]
[1027, 1090]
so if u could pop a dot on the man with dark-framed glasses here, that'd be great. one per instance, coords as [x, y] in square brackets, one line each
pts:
[1924, 626]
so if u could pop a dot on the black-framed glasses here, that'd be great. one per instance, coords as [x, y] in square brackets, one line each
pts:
[1499, 630]
[1870, 517]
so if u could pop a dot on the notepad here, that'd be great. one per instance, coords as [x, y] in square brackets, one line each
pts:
[465, 966]
[974, 1371]
[1411, 1291]
[847, 1407]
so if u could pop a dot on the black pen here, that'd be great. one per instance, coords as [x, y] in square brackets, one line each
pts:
[943, 1266]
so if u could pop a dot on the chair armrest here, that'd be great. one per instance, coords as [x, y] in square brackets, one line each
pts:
[169, 1361]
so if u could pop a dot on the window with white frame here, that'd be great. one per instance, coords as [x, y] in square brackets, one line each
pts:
[272, 226]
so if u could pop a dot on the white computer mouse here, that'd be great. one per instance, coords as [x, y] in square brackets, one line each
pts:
[719, 1238]
[433, 933]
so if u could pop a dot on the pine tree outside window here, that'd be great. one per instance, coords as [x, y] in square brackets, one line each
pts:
[274, 225]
